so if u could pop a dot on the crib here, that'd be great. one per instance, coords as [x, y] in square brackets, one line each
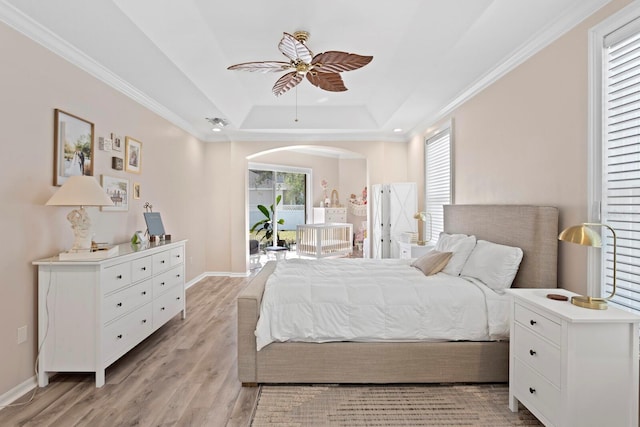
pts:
[324, 240]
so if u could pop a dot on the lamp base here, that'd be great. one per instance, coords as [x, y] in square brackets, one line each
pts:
[589, 302]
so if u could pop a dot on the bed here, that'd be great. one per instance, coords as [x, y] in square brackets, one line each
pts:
[324, 240]
[532, 228]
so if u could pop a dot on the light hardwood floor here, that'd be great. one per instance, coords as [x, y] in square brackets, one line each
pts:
[183, 375]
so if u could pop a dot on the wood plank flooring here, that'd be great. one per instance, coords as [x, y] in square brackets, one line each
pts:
[184, 374]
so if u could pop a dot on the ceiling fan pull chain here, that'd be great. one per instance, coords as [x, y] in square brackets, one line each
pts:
[296, 104]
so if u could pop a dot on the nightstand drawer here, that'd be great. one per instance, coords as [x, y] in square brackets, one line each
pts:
[539, 354]
[545, 327]
[538, 394]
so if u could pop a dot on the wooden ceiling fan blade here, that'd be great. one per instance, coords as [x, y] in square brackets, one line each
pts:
[294, 50]
[331, 82]
[262, 66]
[334, 61]
[286, 82]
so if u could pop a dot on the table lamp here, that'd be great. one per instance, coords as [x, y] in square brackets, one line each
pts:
[80, 191]
[584, 235]
[422, 216]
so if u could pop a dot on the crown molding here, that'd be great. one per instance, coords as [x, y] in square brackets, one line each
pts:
[45, 37]
[544, 38]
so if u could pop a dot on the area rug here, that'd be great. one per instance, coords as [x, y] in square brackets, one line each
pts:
[373, 405]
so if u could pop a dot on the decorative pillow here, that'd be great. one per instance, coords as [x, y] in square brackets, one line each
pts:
[495, 265]
[432, 262]
[460, 245]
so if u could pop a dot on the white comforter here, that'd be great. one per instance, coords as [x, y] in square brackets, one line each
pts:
[375, 300]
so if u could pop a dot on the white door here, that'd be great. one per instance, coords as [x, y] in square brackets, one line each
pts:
[376, 200]
[403, 204]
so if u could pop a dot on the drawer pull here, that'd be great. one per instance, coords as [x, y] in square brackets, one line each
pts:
[178, 298]
[144, 292]
[532, 352]
[119, 276]
[144, 268]
[533, 322]
[119, 304]
[161, 308]
[144, 320]
[532, 390]
[177, 275]
[161, 283]
[119, 337]
[177, 256]
[161, 261]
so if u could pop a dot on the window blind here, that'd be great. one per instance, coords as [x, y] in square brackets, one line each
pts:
[438, 178]
[621, 165]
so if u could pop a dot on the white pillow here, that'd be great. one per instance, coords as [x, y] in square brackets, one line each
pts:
[460, 245]
[495, 265]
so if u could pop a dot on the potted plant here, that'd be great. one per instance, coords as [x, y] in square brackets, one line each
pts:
[266, 224]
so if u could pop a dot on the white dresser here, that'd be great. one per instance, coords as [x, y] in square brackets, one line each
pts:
[329, 215]
[572, 366]
[412, 250]
[90, 313]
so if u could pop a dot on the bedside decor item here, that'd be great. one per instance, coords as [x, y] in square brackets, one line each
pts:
[583, 235]
[133, 155]
[117, 189]
[73, 141]
[422, 217]
[80, 191]
[117, 163]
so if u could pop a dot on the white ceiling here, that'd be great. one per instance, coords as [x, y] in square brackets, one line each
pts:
[172, 56]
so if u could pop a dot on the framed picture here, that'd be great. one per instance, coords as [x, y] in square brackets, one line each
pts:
[73, 145]
[118, 190]
[117, 142]
[133, 155]
[117, 163]
[136, 190]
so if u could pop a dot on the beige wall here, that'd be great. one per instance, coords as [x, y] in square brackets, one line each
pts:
[33, 82]
[509, 144]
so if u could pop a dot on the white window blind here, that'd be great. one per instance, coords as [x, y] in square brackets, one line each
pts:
[621, 165]
[438, 178]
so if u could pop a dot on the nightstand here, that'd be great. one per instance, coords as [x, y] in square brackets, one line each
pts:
[412, 250]
[572, 366]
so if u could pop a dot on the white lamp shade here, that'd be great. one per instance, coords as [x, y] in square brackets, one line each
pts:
[80, 191]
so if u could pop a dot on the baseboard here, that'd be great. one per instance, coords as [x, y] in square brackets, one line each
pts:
[17, 391]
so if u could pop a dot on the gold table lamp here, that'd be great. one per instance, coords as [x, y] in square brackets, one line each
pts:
[584, 235]
[422, 216]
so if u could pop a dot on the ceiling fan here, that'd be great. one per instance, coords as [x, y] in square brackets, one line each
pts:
[322, 70]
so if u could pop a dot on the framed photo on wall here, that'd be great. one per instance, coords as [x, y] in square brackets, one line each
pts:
[118, 191]
[133, 155]
[136, 190]
[73, 146]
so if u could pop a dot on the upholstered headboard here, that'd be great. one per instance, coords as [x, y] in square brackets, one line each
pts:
[534, 229]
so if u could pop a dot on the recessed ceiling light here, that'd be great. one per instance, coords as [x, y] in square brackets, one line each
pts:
[397, 130]
[216, 129]
[217, 123]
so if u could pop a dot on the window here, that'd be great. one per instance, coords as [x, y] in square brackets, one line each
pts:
[438, 178]
[615, 145]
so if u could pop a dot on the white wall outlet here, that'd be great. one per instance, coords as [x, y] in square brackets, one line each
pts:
[22, 334]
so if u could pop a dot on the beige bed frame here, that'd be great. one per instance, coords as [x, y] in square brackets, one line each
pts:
[532, 228]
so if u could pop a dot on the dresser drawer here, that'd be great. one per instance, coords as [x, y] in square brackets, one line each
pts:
[125, 300]
[161, 262]
[140, 269]
[536, 392]
[167, 305]
[126, 332]
[547, 327]
[539, 354]
[177, 256]
[115, 277]
[167, 280]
